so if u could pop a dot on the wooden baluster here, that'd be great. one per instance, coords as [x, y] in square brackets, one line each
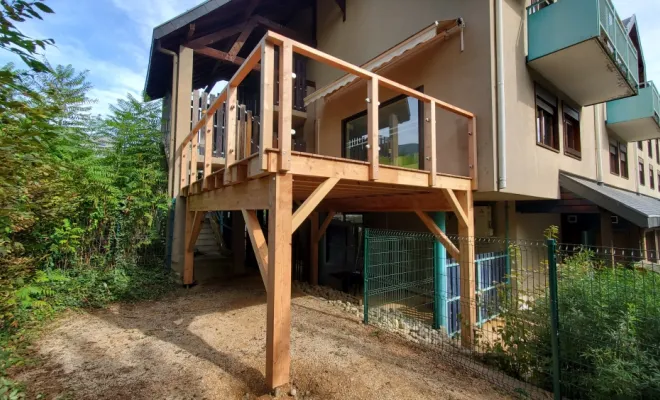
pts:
[266, 123]
[286, 105]
[430, 150]
[208, 152]
[242, 128]
[248, 135]
[372, 127]
[230, 131]
[220, 131]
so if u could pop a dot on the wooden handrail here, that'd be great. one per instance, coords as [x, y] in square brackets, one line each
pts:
[288, 47]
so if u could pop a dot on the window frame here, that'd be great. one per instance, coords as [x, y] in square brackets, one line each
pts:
[544, 100]
[640, 145]
[641, 171]
[615, 166]
[651, 177]
[623, 164]
[650, 149]
[420, 116]
[571, 116]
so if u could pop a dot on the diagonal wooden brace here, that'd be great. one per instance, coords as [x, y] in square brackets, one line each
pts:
[312, 201]
[258, 243]
[430, 224]
[456, 206]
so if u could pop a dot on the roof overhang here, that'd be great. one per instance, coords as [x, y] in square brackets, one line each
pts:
[641, 210]
[437, 32]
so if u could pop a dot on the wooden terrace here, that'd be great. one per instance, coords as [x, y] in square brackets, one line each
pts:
[262, 171]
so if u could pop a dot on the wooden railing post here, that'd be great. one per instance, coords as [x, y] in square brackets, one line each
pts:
[372, 127]
[208, 151]
[472, 151]
[430, 137]
[286, 104]
[266, 123]
[230, 131]
[185, 150]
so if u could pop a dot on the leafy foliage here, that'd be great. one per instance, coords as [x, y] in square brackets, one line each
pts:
[609, 333]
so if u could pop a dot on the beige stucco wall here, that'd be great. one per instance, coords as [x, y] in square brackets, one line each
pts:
[460, 78]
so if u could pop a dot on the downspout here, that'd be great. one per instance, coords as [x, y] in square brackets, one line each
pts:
[173, 108]
[501, 105]
[598, 120]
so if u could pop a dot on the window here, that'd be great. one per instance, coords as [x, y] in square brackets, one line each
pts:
[614, 158]
[546, 119]
[651, 177]
[657, 150]
[399, 135]
[640, 170]
[640, 145]
[658, 180]
[571, 132]
[623, 157]
[650, 148]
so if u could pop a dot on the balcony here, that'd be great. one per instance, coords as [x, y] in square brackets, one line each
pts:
[636, 118]
[582, 48]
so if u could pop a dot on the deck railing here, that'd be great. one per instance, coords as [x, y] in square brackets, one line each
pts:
[234, 138]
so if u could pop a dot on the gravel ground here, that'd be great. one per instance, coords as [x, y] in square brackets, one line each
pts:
[209, 343]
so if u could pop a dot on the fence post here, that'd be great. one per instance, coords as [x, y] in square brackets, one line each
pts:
[365, 295]
[439, 277]
[554, 317]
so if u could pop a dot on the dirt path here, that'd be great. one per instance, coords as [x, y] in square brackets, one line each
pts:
[209, 343]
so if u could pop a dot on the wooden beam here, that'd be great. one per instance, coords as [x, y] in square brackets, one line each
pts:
[314, 249]
[362, 202]
[372, 127]
[258, 242]
[198, 220]
[240, 41]
[472, 152]
[252, 195]
[279, 28]
[285, 104]
[324, 225]
[312, 201]
[221, 55]
[278, 324]
[468, 274]
[230, 131]
[439, 234]
[430, 148]
[266, 118]
[456, 206]
[215, 36]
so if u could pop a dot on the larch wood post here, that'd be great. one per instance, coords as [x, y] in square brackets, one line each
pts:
[472, 151]
[430, 149]
[182, 128]
[278, 327]
[194, 152]
[189, 251]
[230, 132]
[394, 138]
[314, 249]
[467, 268]
[286, 104]
[208, 152]
[266, 125]
[372, 127]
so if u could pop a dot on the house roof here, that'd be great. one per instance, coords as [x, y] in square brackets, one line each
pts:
[642, 210]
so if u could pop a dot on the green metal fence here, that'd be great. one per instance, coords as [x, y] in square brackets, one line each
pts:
[576, 321]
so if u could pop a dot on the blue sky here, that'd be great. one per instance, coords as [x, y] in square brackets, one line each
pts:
[111, 39]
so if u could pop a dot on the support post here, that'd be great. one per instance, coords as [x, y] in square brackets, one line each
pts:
[266, 118]
[278, 327]
[430, 150]
[194, 220]
[372, 127]
[554, 318]
[314, 249]
[440, 277]
[230, 131]
[472, 151]
[238, 241]
[467, 270]
[286, 104]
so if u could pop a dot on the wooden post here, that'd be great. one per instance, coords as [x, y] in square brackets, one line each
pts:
[286, 104]
[468, 274]
[185, 155]
[194, 153]
[208, 151]
[430, 149]
[394, 138]
[472, 151]
[314, 249]
[266, 125]
[194, 220]
[248, 135]
[230, 132]
[278, 357]
[372, 127]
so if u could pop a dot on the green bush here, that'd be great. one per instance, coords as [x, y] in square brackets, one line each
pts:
[609, 332]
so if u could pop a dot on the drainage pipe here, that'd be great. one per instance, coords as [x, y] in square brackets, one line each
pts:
[501, 105]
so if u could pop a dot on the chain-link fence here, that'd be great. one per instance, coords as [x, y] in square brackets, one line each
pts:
[532, 316]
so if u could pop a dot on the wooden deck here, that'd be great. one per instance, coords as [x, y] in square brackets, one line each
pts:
[295, 186]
